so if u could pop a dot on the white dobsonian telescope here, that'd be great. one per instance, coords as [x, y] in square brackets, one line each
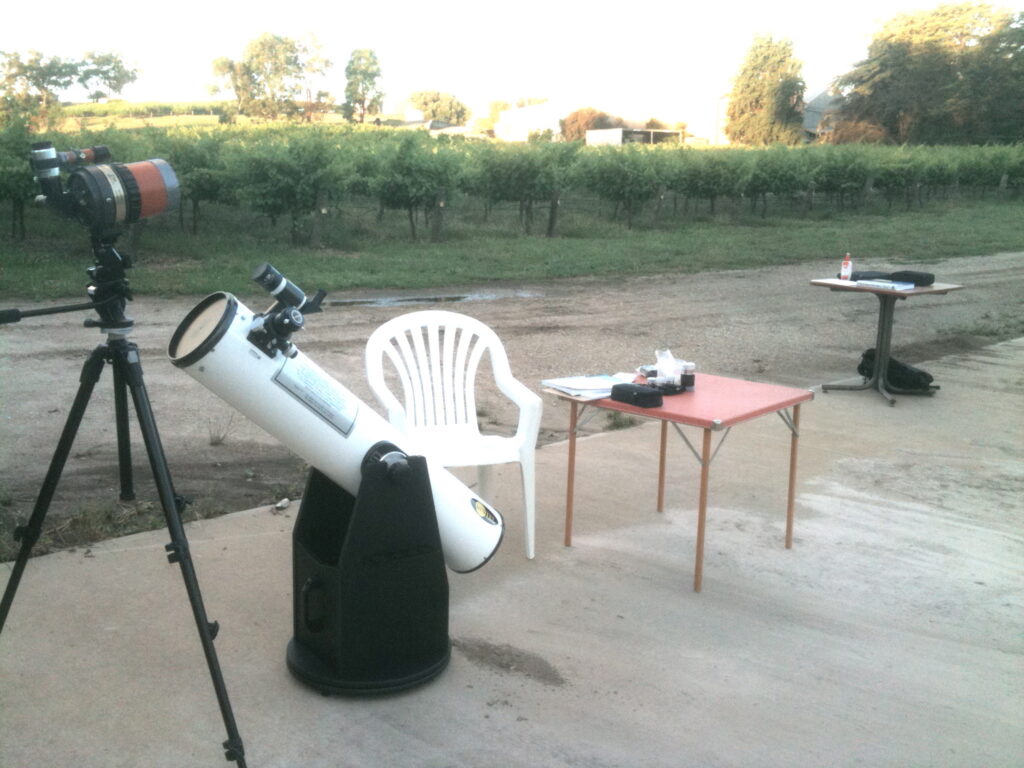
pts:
[249, 361]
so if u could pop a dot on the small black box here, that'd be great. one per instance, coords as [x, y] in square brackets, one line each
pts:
[637, 394]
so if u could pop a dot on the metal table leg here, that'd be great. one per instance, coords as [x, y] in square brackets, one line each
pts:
[883, 338]
[702, 509]
[793, 422]
[570, 480]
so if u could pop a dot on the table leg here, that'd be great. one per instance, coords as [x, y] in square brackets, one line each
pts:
[867, 382]
[882, 347]
[793, 444]
[702, 509]
[571, 478]
[661, 466]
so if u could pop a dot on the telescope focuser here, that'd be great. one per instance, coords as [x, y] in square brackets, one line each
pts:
[272, 331]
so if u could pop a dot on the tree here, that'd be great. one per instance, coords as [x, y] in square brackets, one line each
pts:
[33, 84]
[990, 100]
[362, 95]
[952, 74]
[104, 70]
[575, 125]
[440, 106]
[766, 102]
[270, 78]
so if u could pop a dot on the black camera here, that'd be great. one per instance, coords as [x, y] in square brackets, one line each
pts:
[104, 197]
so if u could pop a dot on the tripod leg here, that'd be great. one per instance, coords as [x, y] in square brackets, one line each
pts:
[124, 445]
[128, 357]
[28, 534]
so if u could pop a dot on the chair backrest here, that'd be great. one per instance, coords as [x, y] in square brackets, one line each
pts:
[435, 355]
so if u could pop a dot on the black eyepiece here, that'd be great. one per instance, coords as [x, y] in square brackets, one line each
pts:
[280, 287]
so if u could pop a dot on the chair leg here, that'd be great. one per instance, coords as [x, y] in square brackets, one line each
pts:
[485, 476]
[485, 482]
[526, 467]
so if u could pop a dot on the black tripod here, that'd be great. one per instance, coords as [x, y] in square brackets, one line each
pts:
[108, 292]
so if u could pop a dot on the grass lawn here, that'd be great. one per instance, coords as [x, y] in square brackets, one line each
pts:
[363, 252]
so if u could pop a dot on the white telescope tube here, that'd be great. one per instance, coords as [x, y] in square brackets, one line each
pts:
[301, 405]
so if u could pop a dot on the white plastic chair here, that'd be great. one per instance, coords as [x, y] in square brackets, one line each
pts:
[435, 355]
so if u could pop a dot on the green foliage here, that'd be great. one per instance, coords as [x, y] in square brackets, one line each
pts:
[841, 172]
[270, 78]
[705, 174]
[954, 74]
[766, 102]
[362, 95]
[104, 70]
[777, 171]
[198, 159]
[16, 183]
[32, 84]
[277, 178]
[340, 177]
[440, 106]
[50, 262]
[117, 108]
[520, 173]
[415, 172]
[625, 176]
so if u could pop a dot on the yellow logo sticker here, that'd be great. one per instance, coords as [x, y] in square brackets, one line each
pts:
[484, 512]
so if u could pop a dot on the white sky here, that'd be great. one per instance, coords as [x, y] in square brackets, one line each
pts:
[652, 58]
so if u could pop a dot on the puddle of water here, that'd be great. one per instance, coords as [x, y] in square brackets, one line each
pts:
[395, 301]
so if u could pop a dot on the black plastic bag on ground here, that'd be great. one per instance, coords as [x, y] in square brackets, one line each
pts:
[900, 375]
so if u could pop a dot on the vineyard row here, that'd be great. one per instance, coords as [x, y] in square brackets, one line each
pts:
[300, 171]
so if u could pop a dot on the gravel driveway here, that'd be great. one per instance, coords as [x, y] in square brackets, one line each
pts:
[765, 324]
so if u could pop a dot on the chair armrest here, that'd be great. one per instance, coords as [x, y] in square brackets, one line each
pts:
[530, 406]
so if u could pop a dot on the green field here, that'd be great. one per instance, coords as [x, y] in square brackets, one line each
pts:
[364, 252]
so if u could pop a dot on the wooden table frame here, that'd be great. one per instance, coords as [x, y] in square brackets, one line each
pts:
[883, 336]
[691, 410]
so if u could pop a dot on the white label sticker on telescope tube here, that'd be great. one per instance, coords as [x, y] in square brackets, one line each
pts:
[319, 393]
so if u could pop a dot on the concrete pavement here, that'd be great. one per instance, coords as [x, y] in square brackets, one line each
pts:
[890, 635]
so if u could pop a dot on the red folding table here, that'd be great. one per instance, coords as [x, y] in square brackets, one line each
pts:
[715, 404]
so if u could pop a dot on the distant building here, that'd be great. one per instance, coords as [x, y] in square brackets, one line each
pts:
[619, 136]
[520, 123]
[817, 112]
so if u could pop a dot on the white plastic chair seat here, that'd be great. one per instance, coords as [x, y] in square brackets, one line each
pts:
[455, 447]
[434, 356]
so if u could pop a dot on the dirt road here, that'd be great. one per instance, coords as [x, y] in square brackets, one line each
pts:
[766, 325]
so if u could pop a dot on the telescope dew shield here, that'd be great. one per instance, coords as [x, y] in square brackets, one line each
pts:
[117, 194]
[317, 418]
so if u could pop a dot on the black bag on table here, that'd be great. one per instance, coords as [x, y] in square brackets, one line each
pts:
[639, 395]
[919, 279]
[900, 375]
